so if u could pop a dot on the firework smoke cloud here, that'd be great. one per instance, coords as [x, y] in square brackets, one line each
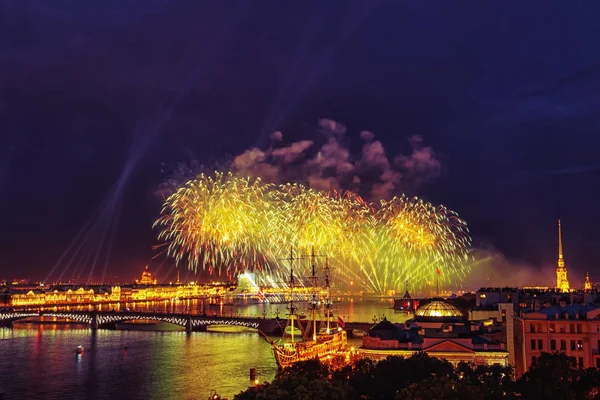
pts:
[332, 166]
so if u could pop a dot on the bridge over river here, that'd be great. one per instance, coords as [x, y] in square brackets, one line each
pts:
[109, 319]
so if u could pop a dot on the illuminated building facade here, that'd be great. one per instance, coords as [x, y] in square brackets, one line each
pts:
[562, 283]
[69, 296]
[116, 294]
[442, 331]
[570, 329]
[146, 278]
[167, 292]
[146, 289]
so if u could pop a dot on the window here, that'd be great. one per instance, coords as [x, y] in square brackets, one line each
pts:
[598, 345]
[561, 328]
[540, 344]
[552, 344]
[573, 345]
[571, 328]
[531, 328]
[598, 329]
[579, 328]
[597, 362]
[538, 328]
[532, 344]
[579, 345]
[580, 362]
[552, 327]
[563, 345]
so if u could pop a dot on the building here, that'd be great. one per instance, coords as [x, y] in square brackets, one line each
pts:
[406, 303]
[504, 314]
[145, 289]
[572, 329]
[528, 298]
[441, 330]
[146, 278]
[490, 296]
[65, 295]
[562, 283]
[587, 285]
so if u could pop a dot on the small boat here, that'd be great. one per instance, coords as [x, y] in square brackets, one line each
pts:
[79, 349]
[214, 395]
[358, 333]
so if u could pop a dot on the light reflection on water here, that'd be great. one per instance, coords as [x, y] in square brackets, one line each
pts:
[39, 360]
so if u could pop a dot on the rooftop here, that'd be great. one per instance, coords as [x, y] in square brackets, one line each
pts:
[438, 310]
[565, 311]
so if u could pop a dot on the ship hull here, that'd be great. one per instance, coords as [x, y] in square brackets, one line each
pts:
[325, 347]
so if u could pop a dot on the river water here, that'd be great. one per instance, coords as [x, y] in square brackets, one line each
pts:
[38, 361]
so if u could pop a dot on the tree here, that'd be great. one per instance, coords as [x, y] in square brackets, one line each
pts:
[297, 388]
[557, 376]
[420, 377]
[310, 369]
[421, 366]
[490, 381]
[590, 381]
[359, 376]
[444, 388]
[385, 379]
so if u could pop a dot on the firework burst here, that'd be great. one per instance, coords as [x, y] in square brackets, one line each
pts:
[225, 224]
[217, 222]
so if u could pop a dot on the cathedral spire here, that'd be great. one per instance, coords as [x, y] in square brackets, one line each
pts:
[561, 260]
[562, 283]
[587, 286]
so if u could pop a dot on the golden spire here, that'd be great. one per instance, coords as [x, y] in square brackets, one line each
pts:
[588, 283]
[561, 260]
[562, 283]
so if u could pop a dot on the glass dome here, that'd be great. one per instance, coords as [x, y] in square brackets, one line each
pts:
[438, 309]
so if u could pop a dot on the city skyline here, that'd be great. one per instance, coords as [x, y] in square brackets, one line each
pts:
[345, 200]
[191, 277]
[92, 124]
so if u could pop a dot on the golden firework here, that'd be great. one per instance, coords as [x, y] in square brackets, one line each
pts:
[227, 224]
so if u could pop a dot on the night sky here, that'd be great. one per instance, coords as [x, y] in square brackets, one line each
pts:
[98, 102]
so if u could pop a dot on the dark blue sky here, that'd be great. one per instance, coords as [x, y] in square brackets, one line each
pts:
[96, 99]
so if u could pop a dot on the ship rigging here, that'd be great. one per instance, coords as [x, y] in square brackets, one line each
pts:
[323, 343]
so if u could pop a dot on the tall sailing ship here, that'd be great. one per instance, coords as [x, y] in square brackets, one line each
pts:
[325, 342]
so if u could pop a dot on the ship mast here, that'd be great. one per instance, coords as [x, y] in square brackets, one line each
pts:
[291, 286]
[314, 300]
[328, 303]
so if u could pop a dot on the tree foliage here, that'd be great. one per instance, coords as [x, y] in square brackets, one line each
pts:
[557, 376]
[420, 377]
